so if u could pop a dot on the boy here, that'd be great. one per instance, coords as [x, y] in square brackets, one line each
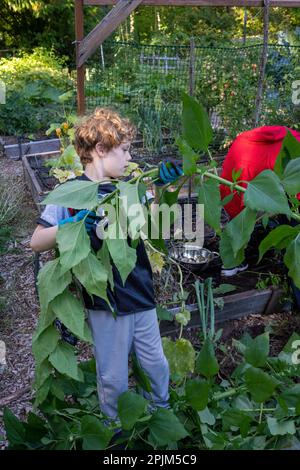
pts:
[102, 142]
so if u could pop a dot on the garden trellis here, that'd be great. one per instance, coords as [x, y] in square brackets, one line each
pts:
[224, 79]
[86, 46]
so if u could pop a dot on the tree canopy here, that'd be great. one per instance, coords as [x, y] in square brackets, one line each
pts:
[31, 23]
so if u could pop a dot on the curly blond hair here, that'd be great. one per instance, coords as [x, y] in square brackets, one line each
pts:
[103, 126]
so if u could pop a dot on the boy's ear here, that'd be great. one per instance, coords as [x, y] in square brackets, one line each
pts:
[99, 149]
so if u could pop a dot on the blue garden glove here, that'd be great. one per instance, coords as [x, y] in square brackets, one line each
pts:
[89, 221]
[168, 172]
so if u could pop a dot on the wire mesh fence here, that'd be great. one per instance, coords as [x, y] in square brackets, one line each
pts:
[145, 82]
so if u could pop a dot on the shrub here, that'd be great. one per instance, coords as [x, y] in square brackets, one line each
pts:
[33, 84]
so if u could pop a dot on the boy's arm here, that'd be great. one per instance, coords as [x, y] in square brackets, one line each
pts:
[43, 238]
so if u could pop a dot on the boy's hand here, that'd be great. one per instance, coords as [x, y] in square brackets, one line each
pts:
[89, 221]
[168, 172]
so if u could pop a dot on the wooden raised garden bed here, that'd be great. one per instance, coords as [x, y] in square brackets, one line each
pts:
[236, 306]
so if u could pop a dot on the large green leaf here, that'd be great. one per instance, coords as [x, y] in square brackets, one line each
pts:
[209, 195]
[237, 418]
[165, 427]
[196, 126]
[131, 206]
[291, 395]
[189, 157]
[169, 197]
[123, 256]
[140, 375]
[94, 434]
[75, 194]
[45, 344]
[291, 179]
[164, 314]
[71, 313]
[91, 273]
[42, 372]
[42, 392]
[288, 353]
[206, 417]
[161, 219]
[180, 355]
[281, 428]
[63, 359]
[35, 430]
[46, 319]
[260, 384]
[240, 229]
[207, 363]
[290, 149]
[74, 244]
[279, 238]
[130, 408]
[265, 193]
[196, 392]
[69, 156]
[292, 260]
[257, 351]
[229, 259]
[103, 256]
[52, 281]
[15, 431]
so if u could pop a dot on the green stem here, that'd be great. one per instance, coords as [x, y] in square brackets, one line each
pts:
[222, 180]
[212, 160]
[261, 413]
[203, 308]
[200, 308]
[229, 393]
[212, 307]
[265, 410]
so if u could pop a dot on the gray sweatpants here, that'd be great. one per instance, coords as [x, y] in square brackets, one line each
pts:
[113, 342]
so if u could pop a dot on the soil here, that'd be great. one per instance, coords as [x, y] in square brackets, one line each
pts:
[19, 310]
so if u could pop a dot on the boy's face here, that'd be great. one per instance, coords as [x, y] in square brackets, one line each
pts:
[116, 160]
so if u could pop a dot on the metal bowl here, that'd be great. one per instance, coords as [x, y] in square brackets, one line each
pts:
[195, 258]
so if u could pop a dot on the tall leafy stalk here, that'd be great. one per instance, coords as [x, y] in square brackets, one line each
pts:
[205, 300]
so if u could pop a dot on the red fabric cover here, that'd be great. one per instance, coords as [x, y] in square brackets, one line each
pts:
[253, 151]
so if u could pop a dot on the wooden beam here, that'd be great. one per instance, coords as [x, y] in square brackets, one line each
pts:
[205, 3]
[79, 35]
[104, 29]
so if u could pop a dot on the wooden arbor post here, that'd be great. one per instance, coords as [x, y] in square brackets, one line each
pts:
[85, 46]
[79, 30]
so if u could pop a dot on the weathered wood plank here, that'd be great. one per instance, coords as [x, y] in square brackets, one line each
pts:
[107, 26]
[204, 3]
[235, 306]
[32, 182]
[32, 148]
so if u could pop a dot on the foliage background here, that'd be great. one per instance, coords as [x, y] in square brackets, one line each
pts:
[31, 23]
[226, 78]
